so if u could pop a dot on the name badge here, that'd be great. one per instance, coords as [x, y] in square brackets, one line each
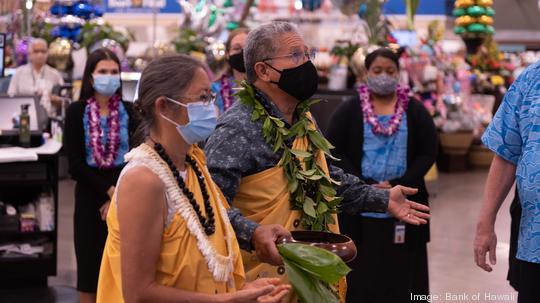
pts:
[399, 233]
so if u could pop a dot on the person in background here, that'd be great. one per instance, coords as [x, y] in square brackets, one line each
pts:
[37, 78]
[98, 132]
[235, 73]
[170, 239]
[385, 138]
[514, 137]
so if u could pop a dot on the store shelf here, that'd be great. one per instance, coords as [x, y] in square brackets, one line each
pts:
[4, 234]
[23, 267]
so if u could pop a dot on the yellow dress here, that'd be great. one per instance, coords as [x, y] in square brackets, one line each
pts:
[189, 259]
[264, 198]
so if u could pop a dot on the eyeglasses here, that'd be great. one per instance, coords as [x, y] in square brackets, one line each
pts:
[297, 57]
[204, 99]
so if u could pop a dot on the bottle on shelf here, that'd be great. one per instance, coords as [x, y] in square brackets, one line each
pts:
[24, 126]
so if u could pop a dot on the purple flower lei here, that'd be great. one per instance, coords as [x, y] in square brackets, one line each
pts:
[226, 92]
[369, 112]
[104, 155]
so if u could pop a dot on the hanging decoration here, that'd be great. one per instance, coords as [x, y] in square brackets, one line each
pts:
[474, 22]
[69, 17]
[348, 7]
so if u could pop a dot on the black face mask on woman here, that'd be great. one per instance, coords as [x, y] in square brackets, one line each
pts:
[236, 61]
[300, 82]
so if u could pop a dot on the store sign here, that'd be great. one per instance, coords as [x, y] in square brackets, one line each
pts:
[141, 6]
[441, 7]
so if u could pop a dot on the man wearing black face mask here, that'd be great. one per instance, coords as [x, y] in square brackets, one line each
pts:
[236, 72]
[255, 153]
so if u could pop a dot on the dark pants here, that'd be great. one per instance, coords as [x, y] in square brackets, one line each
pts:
[529, 282]
[90, 234]
[383, 271]
[513, 264]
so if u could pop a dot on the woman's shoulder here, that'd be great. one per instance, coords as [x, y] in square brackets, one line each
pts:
[76, 108]
[417, 107]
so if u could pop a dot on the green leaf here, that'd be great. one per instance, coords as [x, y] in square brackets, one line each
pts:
[308, 289]
[308, 172]
[327, 190]
[309, 207]
[329, 218]
[293, 185]
[322, 208]
[314, 177]
[255, 115]
[321, 263]
[279, 142]
[335, 202]
[277, 121]
[300, 153]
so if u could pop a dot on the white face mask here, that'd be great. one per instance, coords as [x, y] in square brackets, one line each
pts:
[202, 121]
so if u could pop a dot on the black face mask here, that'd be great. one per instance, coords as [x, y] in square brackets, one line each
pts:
[236, 61]
[300, 82]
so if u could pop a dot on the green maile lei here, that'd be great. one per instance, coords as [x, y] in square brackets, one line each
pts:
[311, 189]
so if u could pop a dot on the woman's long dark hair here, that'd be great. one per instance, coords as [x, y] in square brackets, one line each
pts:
[87, 90]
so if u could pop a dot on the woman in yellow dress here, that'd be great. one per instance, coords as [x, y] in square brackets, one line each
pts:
[170, 239]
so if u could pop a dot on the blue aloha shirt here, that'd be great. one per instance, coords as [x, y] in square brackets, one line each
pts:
[514, 135]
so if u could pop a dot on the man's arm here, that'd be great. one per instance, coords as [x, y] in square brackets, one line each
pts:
[359, 197]
[501, 176]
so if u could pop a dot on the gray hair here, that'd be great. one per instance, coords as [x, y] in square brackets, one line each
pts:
[37, 41]
[262, 43]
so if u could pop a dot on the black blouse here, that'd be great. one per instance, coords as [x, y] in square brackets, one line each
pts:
[346, 133]
[94, 180]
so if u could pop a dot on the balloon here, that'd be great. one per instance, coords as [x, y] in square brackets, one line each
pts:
[476, 28]
[485, 3]
[311, 5]
[59, 10]
[485, 20]
[490, 12]
[362, 11]
[215, 53]
[83, 10]
[476, 11]
[458, 30]
[465, 20]
[21, 51]
[71, 21]
[110, 44]
[458, 12]
[490, 29]
[160, 48]
[60, 52]
[348, 7]
[463, 3]
[358, 61]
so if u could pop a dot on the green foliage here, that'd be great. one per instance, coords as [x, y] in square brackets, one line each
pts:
[312, 271]
[311, 189]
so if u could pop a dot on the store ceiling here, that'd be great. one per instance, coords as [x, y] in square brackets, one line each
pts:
[517, 14]
[518, 21]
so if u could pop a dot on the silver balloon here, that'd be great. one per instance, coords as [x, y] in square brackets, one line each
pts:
[348, 7]
[357, 61]
[110, 44]
[71, 21]
[159, 49]
[215, 52]
[60, 52]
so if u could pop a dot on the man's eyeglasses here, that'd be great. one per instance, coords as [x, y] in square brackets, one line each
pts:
[297, 57]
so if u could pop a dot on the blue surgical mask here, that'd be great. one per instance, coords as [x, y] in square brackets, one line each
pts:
[202, 121]
[106, 85]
